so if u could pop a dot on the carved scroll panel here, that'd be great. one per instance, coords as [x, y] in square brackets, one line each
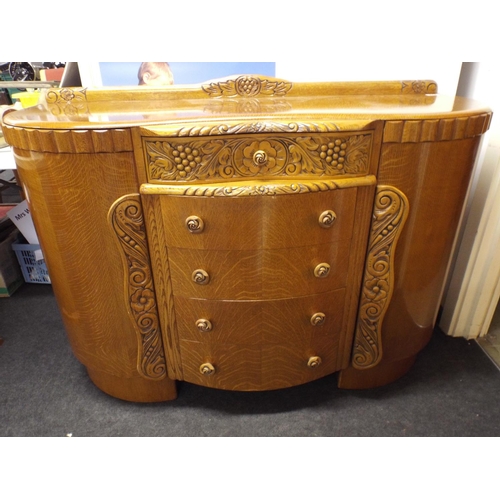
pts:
[389, 215]
[126, 219]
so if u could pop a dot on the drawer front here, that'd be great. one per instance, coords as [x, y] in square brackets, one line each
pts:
[242, 156]
[286, 321]
[258, 275]
[258, 222]
[254, 368]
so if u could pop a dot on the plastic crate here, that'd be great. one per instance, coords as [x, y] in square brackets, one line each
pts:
[34, 271]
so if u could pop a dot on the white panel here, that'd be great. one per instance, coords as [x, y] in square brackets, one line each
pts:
[474, 287]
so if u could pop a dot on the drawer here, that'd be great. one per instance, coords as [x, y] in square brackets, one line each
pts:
[285, 321]
[216, 158]
[258, 275]
[254, 368]
[258, 222]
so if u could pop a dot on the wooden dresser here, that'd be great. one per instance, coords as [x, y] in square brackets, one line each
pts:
[249, 233]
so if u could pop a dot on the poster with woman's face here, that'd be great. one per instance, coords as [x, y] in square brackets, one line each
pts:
[184, 73]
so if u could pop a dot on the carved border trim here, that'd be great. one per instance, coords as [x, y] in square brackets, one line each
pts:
[234, 190]
[390, 212]
[247, 86]
[446, 129]
[126, 219]
[254, 128]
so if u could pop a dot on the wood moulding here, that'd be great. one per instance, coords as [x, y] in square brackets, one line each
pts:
[389, 216]
[69, 141]
[267, 188]
[127, 221]
[446, 129]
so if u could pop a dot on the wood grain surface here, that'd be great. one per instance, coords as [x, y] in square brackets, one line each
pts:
[286, 321]
[258, 275]
[258, 222]
[257, 368]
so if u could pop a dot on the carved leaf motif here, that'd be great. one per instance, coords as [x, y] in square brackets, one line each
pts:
[254, 128]
[389, 216]
[307, 143]
[247, 86]
[126, 219]
[357, 154]
[260, 190]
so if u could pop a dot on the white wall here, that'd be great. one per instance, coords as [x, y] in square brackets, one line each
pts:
[473, 290]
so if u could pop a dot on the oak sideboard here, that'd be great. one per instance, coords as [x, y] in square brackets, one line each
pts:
[247, 233]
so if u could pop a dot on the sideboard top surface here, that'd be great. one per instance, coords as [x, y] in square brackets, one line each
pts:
[242, 98]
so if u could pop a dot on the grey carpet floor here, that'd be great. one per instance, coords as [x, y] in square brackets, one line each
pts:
[453, 390]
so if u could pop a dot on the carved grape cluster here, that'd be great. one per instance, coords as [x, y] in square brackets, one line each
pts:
[247, 86]
[186, 159]
[334, 153]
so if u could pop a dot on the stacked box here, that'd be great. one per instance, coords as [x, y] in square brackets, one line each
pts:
[11, 276]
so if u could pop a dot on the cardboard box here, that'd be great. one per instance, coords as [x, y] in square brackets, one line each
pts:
[11, 277]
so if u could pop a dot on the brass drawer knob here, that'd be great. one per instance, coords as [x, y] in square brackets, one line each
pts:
[200, 277]
[318, 319]
[322, 270]
[314, 362]
[195, 224]
[204, 325]
[207, 369]
[327, 218]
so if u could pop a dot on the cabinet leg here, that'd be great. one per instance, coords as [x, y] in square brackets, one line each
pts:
[135, 389]
[381, 374]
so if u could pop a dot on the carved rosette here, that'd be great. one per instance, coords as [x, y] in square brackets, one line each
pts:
[247, 86]
[67, 101]
[419, 87]
[220, 159]
[389, 215]
[126, 219]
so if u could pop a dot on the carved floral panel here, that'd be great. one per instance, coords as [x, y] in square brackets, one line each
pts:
[253, 156]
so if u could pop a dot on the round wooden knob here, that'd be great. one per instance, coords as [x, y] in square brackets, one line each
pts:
[322, 270]
[204, 325]
[200, 277]
[314, 362]
[260, 158]
[327, 218]
[207, 369]
[318, 319]
[195, 224]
